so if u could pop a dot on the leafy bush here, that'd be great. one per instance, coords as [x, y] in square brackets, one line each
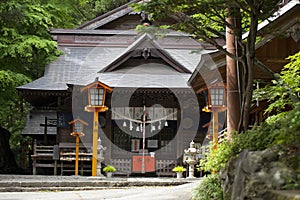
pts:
[282, 132]
[179, 169]
[109, 168]
[209, 188]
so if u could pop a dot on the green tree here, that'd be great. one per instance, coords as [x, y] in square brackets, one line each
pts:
[12, 116]
[284, 92]
[281, 130]
[207, 20]
[26, 47]
[91, 8]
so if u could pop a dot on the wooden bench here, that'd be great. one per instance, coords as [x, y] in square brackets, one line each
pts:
[45, 157]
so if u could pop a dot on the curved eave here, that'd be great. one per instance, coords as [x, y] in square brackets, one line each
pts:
[24, 92]
[42, 97]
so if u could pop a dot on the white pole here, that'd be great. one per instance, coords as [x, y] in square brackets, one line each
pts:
[144, 138]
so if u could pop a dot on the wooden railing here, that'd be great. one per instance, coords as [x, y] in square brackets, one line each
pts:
[164, 167]
[123, 166]
[67, 162]
[45, 157]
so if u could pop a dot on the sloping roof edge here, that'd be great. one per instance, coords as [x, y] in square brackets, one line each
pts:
[285, 9]
[108, 17]
[128, 52]
[278, 14]
[208, 61]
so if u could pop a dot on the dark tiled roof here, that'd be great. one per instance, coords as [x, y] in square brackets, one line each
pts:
[108, 17]
[77, 62]
[136, 80]
[80, 65]
[36, 118]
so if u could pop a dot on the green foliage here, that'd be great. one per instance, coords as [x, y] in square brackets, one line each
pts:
[154, 31]
[179, 169]
[205, 19]
[293, 183]
[208, 189]
[26, 45]
[109, 168]
[281, 129]
[11, 107]
[284, 133]
[90, 8]
[285, 92]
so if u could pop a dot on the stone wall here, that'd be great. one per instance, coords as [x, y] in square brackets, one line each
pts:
[253, 173]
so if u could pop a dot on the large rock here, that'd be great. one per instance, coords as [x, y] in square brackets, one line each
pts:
[8, 164]
[253, 173]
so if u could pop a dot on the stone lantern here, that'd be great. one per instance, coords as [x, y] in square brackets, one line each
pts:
[190, 158]
[101, 150]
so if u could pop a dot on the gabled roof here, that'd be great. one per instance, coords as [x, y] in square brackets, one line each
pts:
[292, 7]
[108, 17]
[80, 65]
[110, 55]
[145, 45]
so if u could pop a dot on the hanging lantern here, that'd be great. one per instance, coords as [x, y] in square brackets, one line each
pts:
[77, 127]
[96, 96]
[215, 97]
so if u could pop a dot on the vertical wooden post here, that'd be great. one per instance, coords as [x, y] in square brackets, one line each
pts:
[45, 131]
[232, 72]
[215, 129]
[77, 155]
[95, 144]
[34, 160]
[55, 168]
[144, 139]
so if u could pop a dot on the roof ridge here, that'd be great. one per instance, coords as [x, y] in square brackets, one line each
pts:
[130, 49]
[107, 14]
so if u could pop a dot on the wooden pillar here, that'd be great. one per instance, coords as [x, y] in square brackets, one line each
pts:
[215, 129]
[55, 168]
[34, 159]
[45, 132]
[232, 74]
[77, 155]
[95, 144]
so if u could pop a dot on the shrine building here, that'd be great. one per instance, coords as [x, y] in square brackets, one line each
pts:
[150, 87]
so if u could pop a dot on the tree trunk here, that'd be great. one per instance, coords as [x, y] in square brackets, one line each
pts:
[232, 70]
[8, 163]
[248, 78]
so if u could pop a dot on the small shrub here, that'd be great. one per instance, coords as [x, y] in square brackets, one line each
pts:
[109, 168]
[283, 131]
[208, 189]
[179, 169]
